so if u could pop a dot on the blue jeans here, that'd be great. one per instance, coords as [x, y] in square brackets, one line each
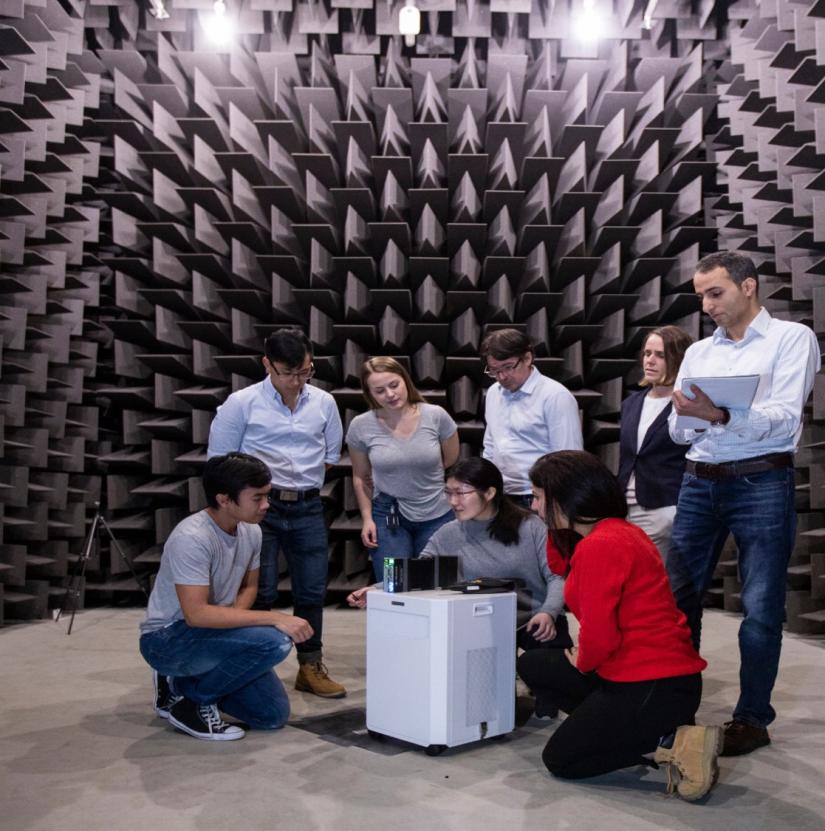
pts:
[298, 529]
[228, 667]
[405, 541]
[759, 511]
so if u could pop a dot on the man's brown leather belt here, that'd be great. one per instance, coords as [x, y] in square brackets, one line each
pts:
[293, 496]
[743, 467]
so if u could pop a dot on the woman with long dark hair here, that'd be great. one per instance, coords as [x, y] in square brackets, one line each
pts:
[635, 676]
[494, 537]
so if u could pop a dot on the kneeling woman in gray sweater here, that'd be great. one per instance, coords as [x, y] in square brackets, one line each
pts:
[493, 537]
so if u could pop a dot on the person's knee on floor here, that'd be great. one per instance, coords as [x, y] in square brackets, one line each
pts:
[560, 762]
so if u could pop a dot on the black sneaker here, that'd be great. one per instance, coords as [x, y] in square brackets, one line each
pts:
[545, 708]
[203, 721]
[164, 697]
[525, 705]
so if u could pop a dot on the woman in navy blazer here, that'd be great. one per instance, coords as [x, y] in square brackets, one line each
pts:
[651, 464]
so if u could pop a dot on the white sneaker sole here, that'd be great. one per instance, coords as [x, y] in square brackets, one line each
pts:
[163, 712]
[233, 734]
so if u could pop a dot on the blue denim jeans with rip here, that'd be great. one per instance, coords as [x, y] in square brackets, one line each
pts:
[759, 511]
[298, 530]
[228, 667]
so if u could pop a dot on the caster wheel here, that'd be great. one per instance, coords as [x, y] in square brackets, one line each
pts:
[435, 749]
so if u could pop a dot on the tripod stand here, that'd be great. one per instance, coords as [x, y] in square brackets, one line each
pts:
[76, 580]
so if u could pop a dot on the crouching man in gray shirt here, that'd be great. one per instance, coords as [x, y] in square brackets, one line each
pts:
[209, 651]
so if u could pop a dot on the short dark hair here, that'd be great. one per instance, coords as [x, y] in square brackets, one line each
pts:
[505, 343]
[288, 347]
[580, 486]
[232, 473]
[676, 341]
[482, 474]
[739, 266]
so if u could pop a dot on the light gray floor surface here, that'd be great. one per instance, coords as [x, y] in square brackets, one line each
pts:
[80, 748]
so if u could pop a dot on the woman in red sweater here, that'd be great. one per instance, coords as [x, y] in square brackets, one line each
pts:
[633, 685]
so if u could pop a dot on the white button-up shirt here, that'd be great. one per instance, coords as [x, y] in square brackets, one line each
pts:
[785, 356]
[539, 417]
[295, 446]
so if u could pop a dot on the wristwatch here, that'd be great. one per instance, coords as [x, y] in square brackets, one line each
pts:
[721, 422]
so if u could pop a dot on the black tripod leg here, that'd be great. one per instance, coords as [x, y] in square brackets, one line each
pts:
[73, 588]
[123, 556]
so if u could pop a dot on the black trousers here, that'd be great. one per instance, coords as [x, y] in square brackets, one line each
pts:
[611, 725]
[525, 641]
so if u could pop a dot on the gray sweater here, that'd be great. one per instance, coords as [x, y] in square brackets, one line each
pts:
[482, 556]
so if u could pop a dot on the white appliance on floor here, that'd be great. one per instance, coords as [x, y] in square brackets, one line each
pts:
[440, 666]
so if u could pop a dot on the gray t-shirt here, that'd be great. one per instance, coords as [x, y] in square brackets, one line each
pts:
[482, 556]
[199, 553]
[411, 469]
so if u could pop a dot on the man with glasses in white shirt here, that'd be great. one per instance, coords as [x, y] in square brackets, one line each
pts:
[296, 430]
[527, 414]
[739, 477]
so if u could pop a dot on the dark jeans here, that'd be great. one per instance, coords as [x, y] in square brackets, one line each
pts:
[405, 541]
[298, 529]
[228, 667]
[611, 725]
[759, 511]
[522, 500]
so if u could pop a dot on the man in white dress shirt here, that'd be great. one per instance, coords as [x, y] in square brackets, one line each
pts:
[527, 414]
[739, 477]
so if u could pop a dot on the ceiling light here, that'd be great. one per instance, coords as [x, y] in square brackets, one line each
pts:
[409, 22]
[588, 21]
[219, 26]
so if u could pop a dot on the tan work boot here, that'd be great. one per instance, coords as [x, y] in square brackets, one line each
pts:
[693, 755]
[314, 678]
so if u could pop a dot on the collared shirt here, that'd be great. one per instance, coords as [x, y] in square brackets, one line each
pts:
[294, 445]
[539, 417]
[785, 356]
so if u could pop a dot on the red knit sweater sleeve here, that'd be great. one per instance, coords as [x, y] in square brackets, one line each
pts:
[601, 575]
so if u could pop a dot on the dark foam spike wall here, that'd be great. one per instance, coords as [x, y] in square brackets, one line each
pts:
[167, 203]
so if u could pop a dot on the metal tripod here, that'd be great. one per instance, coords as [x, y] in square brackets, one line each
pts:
[73, 588]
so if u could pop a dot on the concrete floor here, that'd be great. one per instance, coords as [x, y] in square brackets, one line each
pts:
[82, 749]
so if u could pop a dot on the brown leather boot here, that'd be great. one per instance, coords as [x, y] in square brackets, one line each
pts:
[314, 678]
[693, 759]
[742, 738]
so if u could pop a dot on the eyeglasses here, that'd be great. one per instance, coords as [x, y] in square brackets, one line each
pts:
[502, 370]
[449, 493]
[300, 375]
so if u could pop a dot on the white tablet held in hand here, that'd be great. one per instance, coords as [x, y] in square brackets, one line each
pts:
[736, 392]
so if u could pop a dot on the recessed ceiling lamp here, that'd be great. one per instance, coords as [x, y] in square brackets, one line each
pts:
[409, 22]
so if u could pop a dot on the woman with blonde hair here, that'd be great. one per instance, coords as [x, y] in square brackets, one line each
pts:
[399, 450]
